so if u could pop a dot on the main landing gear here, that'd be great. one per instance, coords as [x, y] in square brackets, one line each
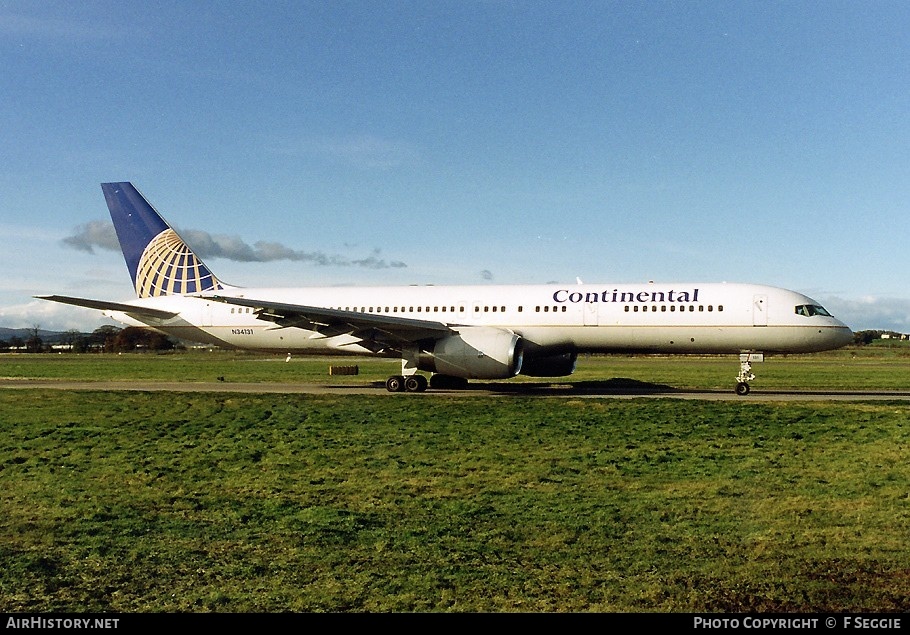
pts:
[419, 383]
[411, 383]
[408, 380]
[745, 372]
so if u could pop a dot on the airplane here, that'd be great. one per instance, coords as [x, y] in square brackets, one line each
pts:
[455, 333]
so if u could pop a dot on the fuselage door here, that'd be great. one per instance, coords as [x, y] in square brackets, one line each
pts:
[760, 310]
[207, 309]
[590, 313]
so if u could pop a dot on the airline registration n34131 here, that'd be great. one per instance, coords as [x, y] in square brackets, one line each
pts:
[455, 333]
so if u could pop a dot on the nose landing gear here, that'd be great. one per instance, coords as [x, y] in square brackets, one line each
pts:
[745, 372]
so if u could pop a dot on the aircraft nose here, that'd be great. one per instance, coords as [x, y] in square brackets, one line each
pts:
[843, 335]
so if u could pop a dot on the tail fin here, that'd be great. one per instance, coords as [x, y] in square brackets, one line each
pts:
[159, 262]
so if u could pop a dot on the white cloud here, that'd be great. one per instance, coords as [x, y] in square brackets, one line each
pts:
[872, 313]
[52, 316]
[101, 234]
[42, 26]
[362, 151]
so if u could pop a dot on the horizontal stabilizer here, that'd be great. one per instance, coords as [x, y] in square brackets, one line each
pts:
[110, 306]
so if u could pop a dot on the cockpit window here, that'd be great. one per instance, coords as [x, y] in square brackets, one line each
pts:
[808, 310]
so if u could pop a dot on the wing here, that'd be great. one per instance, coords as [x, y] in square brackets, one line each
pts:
[375, 332]
[103, 305]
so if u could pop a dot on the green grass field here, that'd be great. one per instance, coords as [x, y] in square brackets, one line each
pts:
[881, 368]
[164, 502]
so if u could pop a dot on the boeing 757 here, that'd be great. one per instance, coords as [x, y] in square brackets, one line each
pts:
[455, 333]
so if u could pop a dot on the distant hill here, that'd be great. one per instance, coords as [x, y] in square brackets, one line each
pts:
[48, 337]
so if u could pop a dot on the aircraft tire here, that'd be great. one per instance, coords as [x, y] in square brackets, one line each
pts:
[415, 383]
[395, 383]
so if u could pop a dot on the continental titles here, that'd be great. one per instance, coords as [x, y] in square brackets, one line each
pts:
[576, 297]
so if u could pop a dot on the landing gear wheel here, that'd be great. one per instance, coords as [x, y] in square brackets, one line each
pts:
[415, 383]
[745, 372]
[395, 383]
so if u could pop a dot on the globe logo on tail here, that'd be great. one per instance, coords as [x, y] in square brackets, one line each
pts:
[169, 267]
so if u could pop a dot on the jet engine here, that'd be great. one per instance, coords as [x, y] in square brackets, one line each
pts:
[475, 352]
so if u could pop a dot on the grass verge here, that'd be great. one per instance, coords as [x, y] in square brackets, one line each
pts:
[133, 502]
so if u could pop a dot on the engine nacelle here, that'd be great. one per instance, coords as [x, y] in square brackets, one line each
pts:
[550, 366]
[476, 352]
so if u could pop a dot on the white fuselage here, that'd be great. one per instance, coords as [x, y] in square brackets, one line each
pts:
[582, 318]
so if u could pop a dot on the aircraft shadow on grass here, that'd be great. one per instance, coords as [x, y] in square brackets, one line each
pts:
[615, 386]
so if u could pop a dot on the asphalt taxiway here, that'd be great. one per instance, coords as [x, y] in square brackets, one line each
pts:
[587, 390]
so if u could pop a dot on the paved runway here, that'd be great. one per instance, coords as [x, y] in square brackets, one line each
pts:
[612, 389]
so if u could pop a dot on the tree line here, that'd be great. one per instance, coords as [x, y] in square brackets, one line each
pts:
[105, 339]
[861, 338]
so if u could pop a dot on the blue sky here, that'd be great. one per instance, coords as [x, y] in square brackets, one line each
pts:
[329, 143]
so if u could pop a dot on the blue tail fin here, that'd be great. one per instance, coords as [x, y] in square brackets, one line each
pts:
[157, 258]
